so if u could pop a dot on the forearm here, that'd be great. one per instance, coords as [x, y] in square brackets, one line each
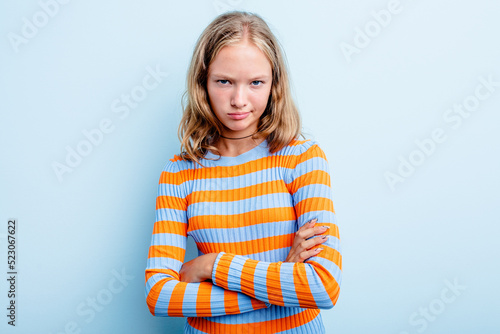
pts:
[314, 284]
[167, 296]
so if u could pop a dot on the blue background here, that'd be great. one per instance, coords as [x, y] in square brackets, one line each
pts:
[403, 245]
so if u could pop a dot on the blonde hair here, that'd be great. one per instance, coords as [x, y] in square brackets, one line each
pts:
[199, 128]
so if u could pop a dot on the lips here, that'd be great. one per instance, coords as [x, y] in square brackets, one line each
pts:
[239, 115]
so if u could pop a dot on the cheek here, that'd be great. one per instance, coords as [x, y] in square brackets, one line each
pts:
[262, 99]
[216, 97]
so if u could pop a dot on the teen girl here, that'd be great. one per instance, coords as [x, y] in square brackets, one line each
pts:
[255, 198]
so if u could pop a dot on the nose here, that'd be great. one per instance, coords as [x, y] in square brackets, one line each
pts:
[239, 97]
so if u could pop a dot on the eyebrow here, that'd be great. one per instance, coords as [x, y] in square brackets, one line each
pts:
[221, 75]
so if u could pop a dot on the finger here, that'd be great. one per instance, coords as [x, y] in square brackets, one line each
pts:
[321, 229]
[310, 253]
[310, 243]
[308, 233]
[309, 224]
[307, 230]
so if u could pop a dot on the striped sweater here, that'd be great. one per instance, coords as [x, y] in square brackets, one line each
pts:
[247, 209]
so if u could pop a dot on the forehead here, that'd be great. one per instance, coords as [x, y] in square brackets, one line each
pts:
[240, 59]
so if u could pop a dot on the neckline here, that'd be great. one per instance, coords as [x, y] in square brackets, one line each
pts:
[239, 158]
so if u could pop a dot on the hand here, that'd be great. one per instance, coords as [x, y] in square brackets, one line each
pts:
[302, 246]
[198, 269]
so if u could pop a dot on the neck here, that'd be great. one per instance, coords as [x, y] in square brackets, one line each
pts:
[231, 146]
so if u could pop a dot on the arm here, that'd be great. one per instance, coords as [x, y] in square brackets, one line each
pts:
[166, 295]
[312, 284]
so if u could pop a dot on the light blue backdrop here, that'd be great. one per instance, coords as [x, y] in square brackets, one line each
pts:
[403, 97]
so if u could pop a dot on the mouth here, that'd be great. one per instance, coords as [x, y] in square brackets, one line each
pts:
[240, 115]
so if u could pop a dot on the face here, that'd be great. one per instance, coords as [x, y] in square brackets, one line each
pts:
[239, 84]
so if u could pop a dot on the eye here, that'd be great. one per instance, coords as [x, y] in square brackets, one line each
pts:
[223, 82]
[257, 81]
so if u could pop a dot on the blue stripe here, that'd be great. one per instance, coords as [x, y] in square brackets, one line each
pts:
[234, 281]
[315, 163]
[217, 300]
[171, 214]
[189, 300]
[168, 239]
[161, 307]
[314, 326]
[324, 216]
[269, 201]
[163, 263]
[231, 182]
[312, 190]
[155, 279]
[274, 255]
[260, 286]
[171, 190]
[244, 233]
[272, 313]
[287, 284]
[315, 284]
[330, 266]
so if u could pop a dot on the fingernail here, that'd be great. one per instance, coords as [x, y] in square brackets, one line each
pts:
[324, 237]
[312, 222]
[325, 227]
[319, 249]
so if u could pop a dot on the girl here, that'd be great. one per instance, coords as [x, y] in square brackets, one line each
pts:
[255, 198]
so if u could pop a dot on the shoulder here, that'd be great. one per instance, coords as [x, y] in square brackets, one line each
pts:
[176, 169]
[299, 149]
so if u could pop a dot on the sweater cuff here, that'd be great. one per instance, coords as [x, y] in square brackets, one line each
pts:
[214, 269]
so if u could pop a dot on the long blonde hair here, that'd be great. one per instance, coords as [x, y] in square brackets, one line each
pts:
[200, 128]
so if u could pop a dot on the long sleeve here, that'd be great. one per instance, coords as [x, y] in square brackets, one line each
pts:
[313, 284]
[165, 294]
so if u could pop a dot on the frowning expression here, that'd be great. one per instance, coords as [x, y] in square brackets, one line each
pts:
[239, 84]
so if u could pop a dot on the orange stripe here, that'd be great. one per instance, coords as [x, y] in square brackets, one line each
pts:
[331, 254]
[248, 247]
[167, 251]
[257, 304]
[222, 270]
[151, 272]
[238, 194]
[331, 286]
[273, 284]
[154, 293]
[176, 158]
[171, 202]
[242, 219]
[203, 300]
[172, 178]
[314, 204]
[296, 142]
[312, 177]
[333, 230]
[264, 327]
[304, 294]
[221, 171]
[175, 302]
[216, 172]
[247, 276]
[231, 302]
[169, 226]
